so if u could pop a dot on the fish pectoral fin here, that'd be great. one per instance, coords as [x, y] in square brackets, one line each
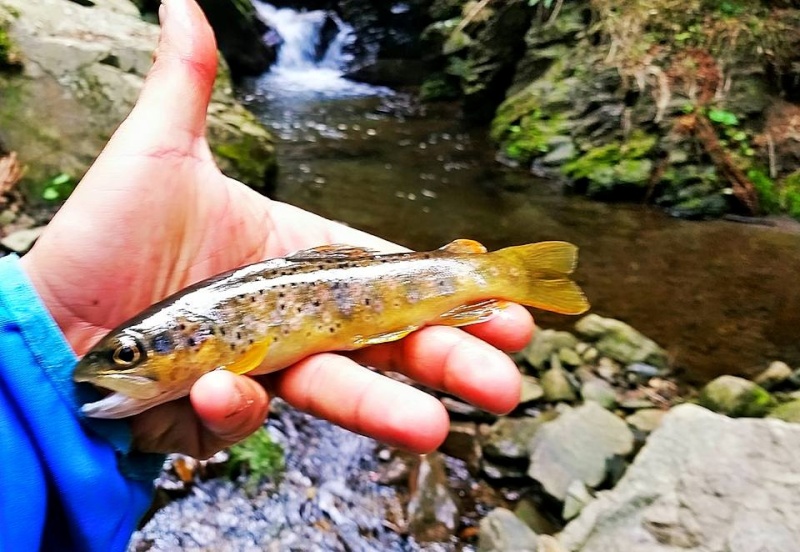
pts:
[386, 337]
[251, 360]
[334, 251]
[466, 247]
[470, 314]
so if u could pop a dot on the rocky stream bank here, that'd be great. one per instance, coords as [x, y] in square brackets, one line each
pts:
[605, 452]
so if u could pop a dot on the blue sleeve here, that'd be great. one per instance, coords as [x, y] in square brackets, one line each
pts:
[65, 483]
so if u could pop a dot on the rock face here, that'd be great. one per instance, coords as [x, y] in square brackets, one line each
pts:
[702, 482]
[82, 70]
[577, 446]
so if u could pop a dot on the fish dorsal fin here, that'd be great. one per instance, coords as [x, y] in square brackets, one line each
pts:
[465, 247]
[334, 251]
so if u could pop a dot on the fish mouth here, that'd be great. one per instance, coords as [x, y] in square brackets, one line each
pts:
[132, 385]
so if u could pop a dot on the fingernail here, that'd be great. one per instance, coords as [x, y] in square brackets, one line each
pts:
[176, 11]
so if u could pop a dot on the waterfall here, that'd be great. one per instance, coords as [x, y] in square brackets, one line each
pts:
[313, 55]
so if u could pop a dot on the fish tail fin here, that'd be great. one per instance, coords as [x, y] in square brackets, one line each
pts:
[537, 275]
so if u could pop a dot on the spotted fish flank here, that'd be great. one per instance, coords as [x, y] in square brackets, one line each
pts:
[269, 315]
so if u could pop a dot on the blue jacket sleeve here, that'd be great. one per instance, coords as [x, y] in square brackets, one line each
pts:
[62, 485]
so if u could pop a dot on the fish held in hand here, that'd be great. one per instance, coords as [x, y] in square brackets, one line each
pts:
[268, 315]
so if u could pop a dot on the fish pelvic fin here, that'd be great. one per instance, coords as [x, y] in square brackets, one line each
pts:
[537, 275]
[252, 359]
[474, 313]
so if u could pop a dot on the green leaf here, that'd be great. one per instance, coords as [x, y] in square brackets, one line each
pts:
[60, 179]
[50, 193]
[723, 117]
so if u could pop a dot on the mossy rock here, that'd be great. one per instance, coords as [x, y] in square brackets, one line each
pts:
[790, 194]
[736, 397]
[439, 87]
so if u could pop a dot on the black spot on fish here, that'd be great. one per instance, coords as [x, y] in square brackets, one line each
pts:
[233, 346]
[182, 327]
[332, 329]
[191, 342]
[222, 331]
[282, 295]
[251, 341]
[239, 335]
[316, 303]
[427, 256]
[366, 301]
[252, 298]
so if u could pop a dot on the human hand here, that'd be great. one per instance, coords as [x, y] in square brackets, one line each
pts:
[154, 214]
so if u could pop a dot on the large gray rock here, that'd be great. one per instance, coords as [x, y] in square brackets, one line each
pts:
[83, 68]
[502, 531]
[703, 482]
[577, 446]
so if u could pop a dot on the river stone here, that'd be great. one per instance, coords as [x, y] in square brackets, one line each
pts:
[646, 420]
[83, 68]
[736, 397]
[788, 412]
[462, 443]
[432, 508]
[544, 344]
[577, 498]
[556, 384]
[510, 438]
[777, 373]
[502, 531]
[22, 240]
[600, 391]
[531, 390]
[702, 482]
[577, 446]
[620, 341]
[569, 357]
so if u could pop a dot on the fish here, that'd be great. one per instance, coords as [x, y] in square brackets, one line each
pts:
[266, 316]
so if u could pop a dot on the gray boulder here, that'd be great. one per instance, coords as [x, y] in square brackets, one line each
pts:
[82, 70]
[736, 397]
[577, 446]
[703, 482]
[502, 531]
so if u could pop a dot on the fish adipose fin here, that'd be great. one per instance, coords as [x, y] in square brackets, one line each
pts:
[251, 360]
[466, 247]
[335, 251]
[470, 314]
[538, 276]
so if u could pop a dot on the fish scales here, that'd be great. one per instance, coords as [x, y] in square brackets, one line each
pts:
[269, 315]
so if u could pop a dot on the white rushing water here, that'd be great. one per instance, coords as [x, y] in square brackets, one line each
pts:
[300, 66]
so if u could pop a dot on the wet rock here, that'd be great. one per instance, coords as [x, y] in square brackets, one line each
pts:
[462, 443]
[22, 240]
[577, 446]
[569, 357]
[73, 91]
[510, 438]
[599, 391]
[503, 473]
[641, 373]
[620, 341]
[544, 344]
[777, 373]
[534, 517]
[502, 531]
[549, 544]
[531, 390]
[608, 369]
[788, 412]
[556, 384]
[464, 411]
[577, 498]
[702, 482]
[646, 420]
[736, 397]
[432, 509]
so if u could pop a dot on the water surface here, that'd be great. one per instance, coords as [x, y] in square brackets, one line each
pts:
[721, 296]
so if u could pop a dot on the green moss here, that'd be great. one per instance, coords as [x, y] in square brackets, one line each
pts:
[768, 196]
[245, 159]
[6, 48]
[790, 194]
[258, 457]
[439, 87]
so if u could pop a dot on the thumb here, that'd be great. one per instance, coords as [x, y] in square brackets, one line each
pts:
[231, 407]
[171, 110]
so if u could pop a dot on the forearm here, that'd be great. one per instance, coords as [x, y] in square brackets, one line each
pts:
[62, 483]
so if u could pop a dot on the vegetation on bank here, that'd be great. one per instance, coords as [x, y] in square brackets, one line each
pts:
[687, 104]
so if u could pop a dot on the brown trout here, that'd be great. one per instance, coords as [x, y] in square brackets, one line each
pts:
[269, 315]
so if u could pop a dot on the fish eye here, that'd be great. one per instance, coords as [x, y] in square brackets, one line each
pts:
[126, 355]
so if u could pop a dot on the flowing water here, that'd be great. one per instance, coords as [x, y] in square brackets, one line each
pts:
[721, 296]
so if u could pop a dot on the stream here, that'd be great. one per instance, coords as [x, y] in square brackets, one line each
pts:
[720, 296]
